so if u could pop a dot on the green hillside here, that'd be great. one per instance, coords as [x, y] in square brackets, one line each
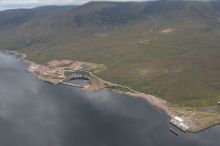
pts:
[170, 49]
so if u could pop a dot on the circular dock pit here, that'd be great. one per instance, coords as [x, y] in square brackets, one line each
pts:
[78, 79]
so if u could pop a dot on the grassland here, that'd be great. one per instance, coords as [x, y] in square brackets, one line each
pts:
[181, 66]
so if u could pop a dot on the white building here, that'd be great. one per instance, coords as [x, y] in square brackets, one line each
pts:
[178, 119]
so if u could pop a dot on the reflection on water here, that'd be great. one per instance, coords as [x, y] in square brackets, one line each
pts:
[81, 82]
[34, 113]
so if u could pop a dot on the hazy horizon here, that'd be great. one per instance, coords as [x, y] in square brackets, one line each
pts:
[19, 4]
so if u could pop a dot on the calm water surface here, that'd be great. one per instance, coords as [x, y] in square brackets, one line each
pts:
[34, 113]
[81, 82]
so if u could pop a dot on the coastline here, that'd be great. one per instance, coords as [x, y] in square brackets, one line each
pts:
[159, 103]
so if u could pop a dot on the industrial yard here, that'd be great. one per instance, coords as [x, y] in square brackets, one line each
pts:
[55, 71]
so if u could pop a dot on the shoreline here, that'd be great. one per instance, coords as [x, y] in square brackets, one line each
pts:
[172, 113]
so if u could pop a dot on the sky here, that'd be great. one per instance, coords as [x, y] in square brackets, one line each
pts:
[14, 4]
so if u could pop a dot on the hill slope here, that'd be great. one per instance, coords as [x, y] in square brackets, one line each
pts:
[165, 48]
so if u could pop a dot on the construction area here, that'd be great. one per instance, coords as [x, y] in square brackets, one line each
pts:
[55, 71]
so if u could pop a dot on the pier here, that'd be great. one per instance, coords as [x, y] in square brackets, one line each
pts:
[173, 131]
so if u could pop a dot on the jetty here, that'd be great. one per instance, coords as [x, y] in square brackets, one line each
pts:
[173, 131]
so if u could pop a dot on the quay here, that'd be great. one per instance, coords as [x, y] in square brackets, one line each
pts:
[179, 123]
